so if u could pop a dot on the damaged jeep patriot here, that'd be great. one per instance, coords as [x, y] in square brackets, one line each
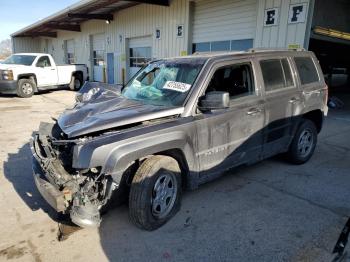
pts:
[178, 123]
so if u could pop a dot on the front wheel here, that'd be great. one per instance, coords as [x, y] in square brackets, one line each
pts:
[155, 194]
[304, 143]
[26, 88]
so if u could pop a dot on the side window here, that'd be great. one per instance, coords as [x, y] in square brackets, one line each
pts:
[307, 70]
[237, 80]
[276, 74]
[43, 61]
[287, 73]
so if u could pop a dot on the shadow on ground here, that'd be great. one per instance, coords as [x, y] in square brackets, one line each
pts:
[18, 170]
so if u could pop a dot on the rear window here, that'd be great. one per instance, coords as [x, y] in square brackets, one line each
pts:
[307, 70]
[276, 74]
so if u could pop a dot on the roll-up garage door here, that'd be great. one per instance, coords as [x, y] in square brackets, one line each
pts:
[140, 52]
[224, 25]
[98, 47]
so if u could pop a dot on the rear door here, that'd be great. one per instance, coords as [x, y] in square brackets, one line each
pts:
[311, 81]
[283, 102]
[46, 72]
[231, 136]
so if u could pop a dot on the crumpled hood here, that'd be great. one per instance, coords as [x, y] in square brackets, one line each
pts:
[108, 109]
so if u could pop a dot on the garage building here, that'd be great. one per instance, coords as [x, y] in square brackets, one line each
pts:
[115, 38]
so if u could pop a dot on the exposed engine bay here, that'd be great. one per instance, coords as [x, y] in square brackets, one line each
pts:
[80, 193]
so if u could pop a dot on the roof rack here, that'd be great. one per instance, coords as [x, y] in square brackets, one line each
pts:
[255, 50]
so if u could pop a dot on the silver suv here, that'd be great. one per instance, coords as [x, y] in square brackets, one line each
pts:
[177, 124]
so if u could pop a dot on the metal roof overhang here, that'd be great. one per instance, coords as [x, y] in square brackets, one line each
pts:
[70, 18]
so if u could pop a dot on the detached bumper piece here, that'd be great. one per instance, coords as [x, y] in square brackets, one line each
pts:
[53, 196]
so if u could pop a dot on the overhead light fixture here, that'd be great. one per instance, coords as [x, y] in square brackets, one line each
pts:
[108, 22]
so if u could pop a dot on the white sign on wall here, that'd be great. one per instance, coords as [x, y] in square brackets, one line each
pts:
[271, 17]
[297, 13]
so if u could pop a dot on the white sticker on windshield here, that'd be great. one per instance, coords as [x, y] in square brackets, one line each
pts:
[177, 86]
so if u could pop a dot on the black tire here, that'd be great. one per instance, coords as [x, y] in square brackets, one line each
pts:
[76, 83]
[142, 203]
[26, 88]
[299, 154]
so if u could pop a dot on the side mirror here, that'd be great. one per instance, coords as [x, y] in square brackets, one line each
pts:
[214, 100]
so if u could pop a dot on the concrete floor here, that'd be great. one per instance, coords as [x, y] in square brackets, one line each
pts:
[272, 211]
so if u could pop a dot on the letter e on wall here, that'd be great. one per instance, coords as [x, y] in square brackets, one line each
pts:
[271, 17]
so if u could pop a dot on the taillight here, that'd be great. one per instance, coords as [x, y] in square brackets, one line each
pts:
[325, 95]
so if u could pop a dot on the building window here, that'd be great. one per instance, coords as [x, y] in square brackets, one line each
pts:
[139, 56]
[99, 59]
[70, 58]
[229, 45]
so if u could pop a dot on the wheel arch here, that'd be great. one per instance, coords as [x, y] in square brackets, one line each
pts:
[79, 73]
[29, 76]
[122, 158]
[317, 117]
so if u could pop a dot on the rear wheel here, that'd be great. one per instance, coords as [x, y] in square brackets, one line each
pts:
[304, 143]
[26, 88]
[155, 194]
[75, 83]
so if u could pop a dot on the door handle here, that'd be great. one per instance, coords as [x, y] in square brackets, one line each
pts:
[294, 100]
[254, 111]
[317, 92]
[53, 69]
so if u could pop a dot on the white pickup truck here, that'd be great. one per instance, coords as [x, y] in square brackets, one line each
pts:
[26, 73]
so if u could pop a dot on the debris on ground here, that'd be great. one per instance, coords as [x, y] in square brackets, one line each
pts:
[335, 103]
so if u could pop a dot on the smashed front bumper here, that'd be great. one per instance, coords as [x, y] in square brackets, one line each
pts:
[42, 165]
[58, 187]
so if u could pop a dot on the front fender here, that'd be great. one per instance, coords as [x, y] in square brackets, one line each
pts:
[120, 158]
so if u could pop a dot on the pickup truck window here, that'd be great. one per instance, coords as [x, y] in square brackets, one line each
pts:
[20, 60]
[163, 83]
[236, 79]
[43, 61]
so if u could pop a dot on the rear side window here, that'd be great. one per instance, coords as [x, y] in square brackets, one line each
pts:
[307, 70]
[276, 74]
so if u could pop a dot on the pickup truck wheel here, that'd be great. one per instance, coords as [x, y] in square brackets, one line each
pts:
[75, 83]
[304, 143]
[26, 88]
[155, 194]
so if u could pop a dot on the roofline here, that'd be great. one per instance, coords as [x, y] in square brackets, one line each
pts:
[80, 4]
[77, 6]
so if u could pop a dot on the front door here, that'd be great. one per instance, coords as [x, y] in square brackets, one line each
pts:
[283, 99]
[45, 72]
[234, 135]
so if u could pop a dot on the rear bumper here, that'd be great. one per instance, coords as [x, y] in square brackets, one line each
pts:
[8, 87]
